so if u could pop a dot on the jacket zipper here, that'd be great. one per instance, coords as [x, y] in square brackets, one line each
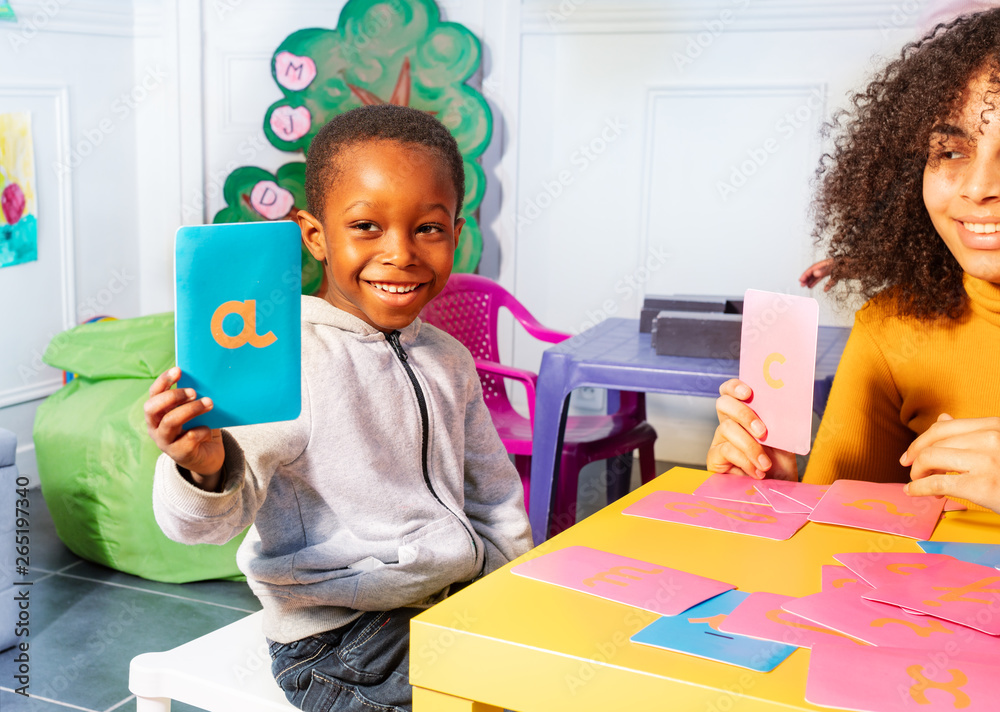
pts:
[393, 339]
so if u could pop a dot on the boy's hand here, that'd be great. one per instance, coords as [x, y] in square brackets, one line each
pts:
[959, 458]
[734, 449]
[200, 449]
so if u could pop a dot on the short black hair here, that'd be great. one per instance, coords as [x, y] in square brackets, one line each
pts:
[379, 122]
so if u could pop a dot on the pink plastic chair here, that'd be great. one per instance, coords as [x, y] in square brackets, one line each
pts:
[467, 308]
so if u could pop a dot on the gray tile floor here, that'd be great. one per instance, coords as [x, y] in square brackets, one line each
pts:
[88, 621]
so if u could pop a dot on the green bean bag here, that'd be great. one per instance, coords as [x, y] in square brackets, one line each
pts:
[95, 459]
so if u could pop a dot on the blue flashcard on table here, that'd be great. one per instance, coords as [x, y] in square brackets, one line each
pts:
[696, 632]
[982, 554]
[237, 323]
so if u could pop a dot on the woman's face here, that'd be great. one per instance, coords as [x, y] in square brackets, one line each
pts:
[962, 182]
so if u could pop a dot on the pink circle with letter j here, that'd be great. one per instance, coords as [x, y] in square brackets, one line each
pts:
[291, 124]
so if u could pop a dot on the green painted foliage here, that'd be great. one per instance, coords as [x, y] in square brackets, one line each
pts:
[239, 194]
[382, 51]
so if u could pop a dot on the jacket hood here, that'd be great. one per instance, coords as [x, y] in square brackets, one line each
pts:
[320, 312]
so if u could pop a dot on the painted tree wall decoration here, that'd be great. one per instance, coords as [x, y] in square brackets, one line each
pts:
[382, 51]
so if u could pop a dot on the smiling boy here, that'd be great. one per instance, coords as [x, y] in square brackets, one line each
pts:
[392, 485]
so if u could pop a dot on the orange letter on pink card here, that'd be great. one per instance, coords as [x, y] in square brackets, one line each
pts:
[933, 626]
[889, 507]
[619, 571]
[775, 616]
[954, 685]
[693, 510]
[768, 379]
[898, 568]
[960, 593]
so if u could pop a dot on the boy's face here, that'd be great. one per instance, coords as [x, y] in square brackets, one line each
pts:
[388, 232]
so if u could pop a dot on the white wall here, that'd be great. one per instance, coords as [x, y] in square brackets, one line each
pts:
[667, 148]
[641, 213]
[71, 66]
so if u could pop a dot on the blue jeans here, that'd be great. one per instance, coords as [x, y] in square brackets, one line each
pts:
[362, 666]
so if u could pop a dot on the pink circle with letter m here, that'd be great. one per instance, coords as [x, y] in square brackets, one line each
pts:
[294, 72]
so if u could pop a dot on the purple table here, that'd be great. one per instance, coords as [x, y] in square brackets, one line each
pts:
[614, 355]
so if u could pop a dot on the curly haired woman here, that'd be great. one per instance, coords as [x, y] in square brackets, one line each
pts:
[909, 209]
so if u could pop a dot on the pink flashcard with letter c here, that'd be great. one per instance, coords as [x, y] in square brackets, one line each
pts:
[778, 361]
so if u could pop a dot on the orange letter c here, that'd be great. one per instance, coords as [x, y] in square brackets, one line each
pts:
[771, 358]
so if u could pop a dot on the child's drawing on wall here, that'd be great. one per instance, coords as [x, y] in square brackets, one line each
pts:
[18, 225]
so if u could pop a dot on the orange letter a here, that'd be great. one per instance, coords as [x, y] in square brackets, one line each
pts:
[248, 312]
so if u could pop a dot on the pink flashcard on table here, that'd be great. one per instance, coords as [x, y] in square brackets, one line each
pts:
[760, 615]
[778, 362]
[783, 503]
[955, 590]
[882, 568]
[846, 611]
[736, 517]
[644, 585]
[735, 488]
[880, 507]
[838, 576]
[805, 494]
[899, 680]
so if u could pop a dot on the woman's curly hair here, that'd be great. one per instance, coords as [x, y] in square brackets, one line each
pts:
[869, 209]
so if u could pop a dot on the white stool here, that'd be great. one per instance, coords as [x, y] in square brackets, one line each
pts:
[227, 670]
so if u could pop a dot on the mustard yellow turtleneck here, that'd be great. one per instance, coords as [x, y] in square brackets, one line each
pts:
[897, 375]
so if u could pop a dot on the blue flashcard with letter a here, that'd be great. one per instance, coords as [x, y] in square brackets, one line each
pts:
[237, 325]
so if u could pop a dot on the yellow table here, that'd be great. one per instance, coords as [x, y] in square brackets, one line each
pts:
[511, 642]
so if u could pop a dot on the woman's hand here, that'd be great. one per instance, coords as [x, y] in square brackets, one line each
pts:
[735, 448]
[815, 273]
[958, 458]
[200, 449]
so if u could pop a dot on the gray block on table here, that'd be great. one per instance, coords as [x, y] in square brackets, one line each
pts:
[654, 304]
[699, 335]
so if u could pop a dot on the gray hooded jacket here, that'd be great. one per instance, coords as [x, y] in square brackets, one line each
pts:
[390, 486]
